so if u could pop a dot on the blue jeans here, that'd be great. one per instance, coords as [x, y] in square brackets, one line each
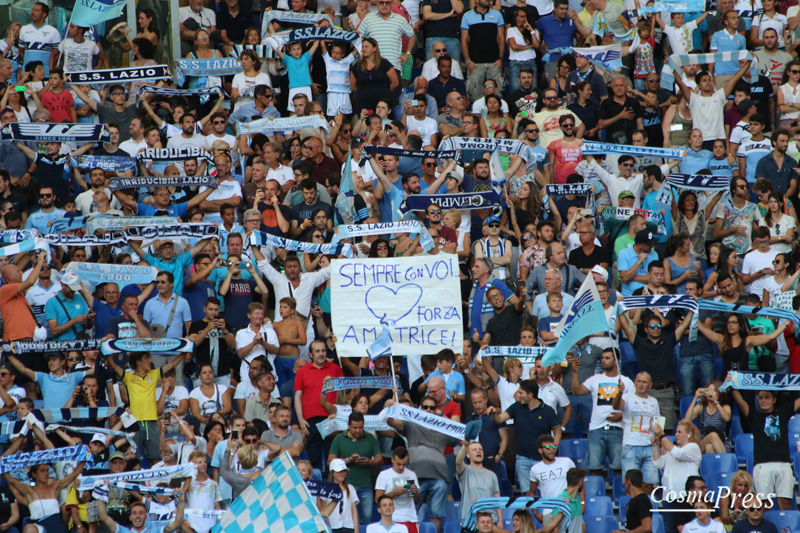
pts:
[523, 467]
[365, 497]
[639, 458]
[434, 491]
[453, 45]
[513, 73]
[605, 443]
[696, 367]
[581, 415]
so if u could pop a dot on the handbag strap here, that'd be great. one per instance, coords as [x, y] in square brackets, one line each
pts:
[172, 313]
[74, 329]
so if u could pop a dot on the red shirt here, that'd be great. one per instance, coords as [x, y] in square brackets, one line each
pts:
[309, 379]
[567, 156]
[59, 105]
[449, 410]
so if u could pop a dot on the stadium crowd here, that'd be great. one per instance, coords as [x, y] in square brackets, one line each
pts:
[635, 407]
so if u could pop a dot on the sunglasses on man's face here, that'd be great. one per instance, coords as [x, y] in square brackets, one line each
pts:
[428, 407]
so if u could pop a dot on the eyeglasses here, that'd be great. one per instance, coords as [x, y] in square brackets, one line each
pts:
[428, 164]
[73, 359]
[252, 220]
[383, 247]
[494, 225]
[219, 122]
[629, 165]
[117, 93]
[319, 236]
[776, 262]
[794, 71]
[567, 125]
[585, 232]
[652, 79]
[251, 441]
[532, 131]
[549, 446]
[550, 98]
[45, 195]
[654, 326]
[428, 407]
[306, 146]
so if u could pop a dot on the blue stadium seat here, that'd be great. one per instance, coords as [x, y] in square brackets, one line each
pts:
[749, 465]
[451, 527]
[453, 512]
[455, 489]
[626, 352]
[594, 486]
[657, 524]
[788, 521]
[423, 513]
[794, 438]
[599, 506]
[601, 524]
[719, 479]
[506, 488]
[743, 446]
[623, 503]
[427, 527]
[362, 528]
[686, 402]
[794, 424]
[736, 426]
[575, 449]
[796, 464]
[711, 463]
[617, 488]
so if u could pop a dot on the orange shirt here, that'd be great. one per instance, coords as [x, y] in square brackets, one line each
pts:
[18, 320]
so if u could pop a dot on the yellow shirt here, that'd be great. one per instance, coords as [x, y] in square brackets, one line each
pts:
[142, 393]
[72, 501]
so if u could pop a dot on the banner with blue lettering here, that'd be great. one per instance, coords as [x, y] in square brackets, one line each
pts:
[417, 298]
[97, 273]
[584, 317]
[762, 381]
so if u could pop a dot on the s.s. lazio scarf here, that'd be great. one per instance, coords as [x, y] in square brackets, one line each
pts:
[262, 238]
[762, 381]
[165, 91]
[77, 413]
[83, 240]
[325, 489]
[60, 225]
[63, 132]
[563, 189]
[154, 474]
[93, 430]
[220, 66]
[523, 353]
[172, 154]
[506, 146]
[666, 301]
[119, 184]
[263, 51]
[138, 344]
[119, 75]
[460, 201]
[426, 420]
[339, 423]
[676, 61]
[38, 243]
[346, 231]
[523, 502]
[143, 489]
[97, 273]
[722, 307]
[80, 345]
[625, 213]
[111, 163]
[277, 40]
[402, 152]
[699, 182]
[305, 19]
[135, 233]
[358, 382]
[12, 236]
[269, 126]
[119, 223]
[593, 147]
[54, 455]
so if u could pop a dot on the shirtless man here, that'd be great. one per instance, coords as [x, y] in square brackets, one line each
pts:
[47, 512]
[291, 332]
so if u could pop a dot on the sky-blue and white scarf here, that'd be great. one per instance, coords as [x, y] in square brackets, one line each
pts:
[119, 75]
[358, 382]
[152, 475]
[270, 126]
[122, 275]
[55, 455]
[593, 147]
[136, 344]
[79, 345]
[339, 423]
[762, 381]
[699, 182]
[262, 238]
[220, 66]
[346, 231]
[119, 184]
[111, 163]
[522, 502]
[402, 152]
[40, 132]
[676, 61]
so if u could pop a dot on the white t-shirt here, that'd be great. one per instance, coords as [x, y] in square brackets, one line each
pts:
[388, 480]
[637, 419]
[247, 86]
[226, 137]
[778, 229]
[755, 261]
[208, 405]
[708, 113]
[203, 496]
[553, 394]
[282, 175]
[206, 18]
[603, 390]
[173, 401]
[552, 478]
[426, 127]
[245, 336]
[680, 39]
[712, 527]
[245, 391]
[77, 56]
[179, 140]
[524, 55]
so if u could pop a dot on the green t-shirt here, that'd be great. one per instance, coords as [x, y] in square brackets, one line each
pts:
[367, 446]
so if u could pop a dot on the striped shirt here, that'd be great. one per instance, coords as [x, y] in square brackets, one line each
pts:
[388, 33]
[338, 73]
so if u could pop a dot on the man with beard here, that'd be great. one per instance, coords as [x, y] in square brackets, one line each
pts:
[548, 120]
[247, 389]
[777, 167]
[503, 328]
[565, 153]
[772, 61]
[138, 515]
[206, 335]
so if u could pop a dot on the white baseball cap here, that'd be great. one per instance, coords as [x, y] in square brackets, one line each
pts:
[71, 280]
[338, 465]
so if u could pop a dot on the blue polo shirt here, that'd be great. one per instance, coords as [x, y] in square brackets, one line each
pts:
[104, 315]
[177, 267]
[722, 41]
[53, 309]
[57, 391]
[650, 203]
[175, 210]
[625, 261]
[782, 177]
[157, 312]
[556, 33]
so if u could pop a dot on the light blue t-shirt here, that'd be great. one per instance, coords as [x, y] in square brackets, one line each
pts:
[40, 219]
[625, 261]
[695, 161]
[650, 204]
[299, 73]
[57, 391]
[390, 202]
[216, 462]
[454, 384]
[53, 309]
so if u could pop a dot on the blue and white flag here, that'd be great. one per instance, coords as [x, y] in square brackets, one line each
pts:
[88, 13]
[358, 382]
[676, 61]
[137, 344]
[222, 66]
[583, 318]
[119, 75]
[346, 231]
[345, 201]
[262, 238]
[722, 307]
[54, 455]
[382, 347]
[24, 246]
[460, 201]
[593, 147]
[680, 6]
[329, 426]
[77, 413]
[762, 381]
[277, 500]
[699, 182]
[122, 275]
[13, 236]
[426, 420]
[610, 56]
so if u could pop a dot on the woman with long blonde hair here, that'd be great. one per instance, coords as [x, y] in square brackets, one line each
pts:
[731, 506]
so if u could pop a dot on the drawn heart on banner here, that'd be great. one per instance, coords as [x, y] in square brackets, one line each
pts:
[403, 300]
